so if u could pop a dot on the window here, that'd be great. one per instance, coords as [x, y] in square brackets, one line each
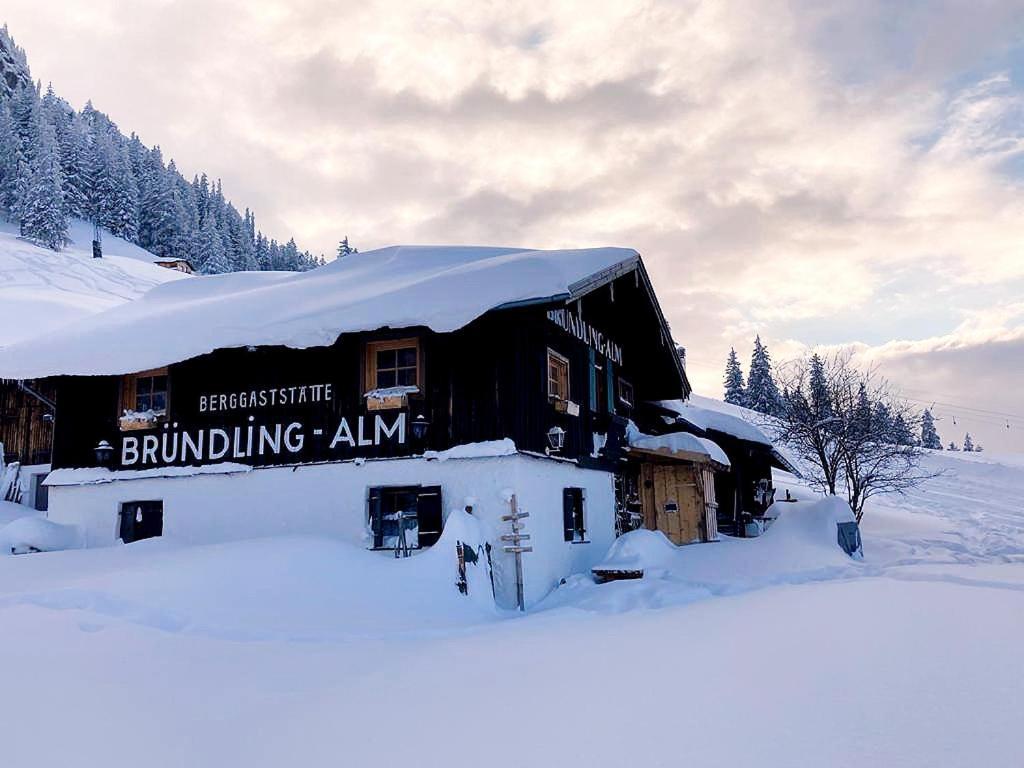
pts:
[144, 398]
[393, 364]
[625, 393]
[409, 512]
[574, 514]
[151, 394]
[600, 403]
[558, 376]
[141, 520]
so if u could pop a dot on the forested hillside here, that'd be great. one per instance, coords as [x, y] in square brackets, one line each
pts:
[59, 164]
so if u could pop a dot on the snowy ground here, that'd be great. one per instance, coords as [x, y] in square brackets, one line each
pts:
[41, 290]
[778, 651]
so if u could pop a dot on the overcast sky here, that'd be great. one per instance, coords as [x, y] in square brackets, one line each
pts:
[823, 173]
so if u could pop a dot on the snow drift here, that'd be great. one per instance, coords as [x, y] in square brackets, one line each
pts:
[400, 286]
[42, 290]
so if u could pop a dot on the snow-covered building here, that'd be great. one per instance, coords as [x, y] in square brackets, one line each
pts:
[745, 491]
[368, 398]
[41, 291]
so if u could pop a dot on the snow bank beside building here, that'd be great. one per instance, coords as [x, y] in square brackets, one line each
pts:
[32, 533]
[800, 547]
[439, 287]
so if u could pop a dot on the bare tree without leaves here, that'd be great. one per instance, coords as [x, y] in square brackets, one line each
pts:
[850, 428]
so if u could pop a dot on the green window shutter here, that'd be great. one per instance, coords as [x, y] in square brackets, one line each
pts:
[610, 389]
[593, 380]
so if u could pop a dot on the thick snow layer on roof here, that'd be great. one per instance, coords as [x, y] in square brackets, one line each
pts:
[680, 442]
[707, 413]
[440, 287]
[42, 290]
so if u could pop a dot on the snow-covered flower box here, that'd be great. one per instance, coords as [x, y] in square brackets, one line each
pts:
[389, 398]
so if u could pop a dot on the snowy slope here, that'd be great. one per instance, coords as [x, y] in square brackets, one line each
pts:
[771, 652]
[42, 290]
[442, 287]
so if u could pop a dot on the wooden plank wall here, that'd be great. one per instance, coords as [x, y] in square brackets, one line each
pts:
[26, 437]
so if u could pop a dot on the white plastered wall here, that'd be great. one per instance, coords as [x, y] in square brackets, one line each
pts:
[330, 499]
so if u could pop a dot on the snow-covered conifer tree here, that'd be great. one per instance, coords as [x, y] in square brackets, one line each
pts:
[901, 433]
[762, 392]
[344, 249]
[735, 390]
[9, 161]
[929, 435]
[41, 212]
[968, 443]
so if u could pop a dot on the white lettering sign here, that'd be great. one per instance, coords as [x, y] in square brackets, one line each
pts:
[200, 446]
[574, 324]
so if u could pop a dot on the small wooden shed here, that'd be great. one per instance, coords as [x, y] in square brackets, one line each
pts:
[677, 486]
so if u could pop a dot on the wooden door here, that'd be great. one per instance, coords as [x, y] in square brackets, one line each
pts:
[677, 502]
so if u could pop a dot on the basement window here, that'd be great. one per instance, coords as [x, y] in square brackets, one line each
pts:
[414, 510]
[574, 515]
[141, 520]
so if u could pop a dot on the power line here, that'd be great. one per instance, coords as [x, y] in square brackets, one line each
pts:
[1002, 414]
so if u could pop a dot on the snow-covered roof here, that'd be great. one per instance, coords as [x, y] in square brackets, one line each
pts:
[705, 413]
[680, 443]
[439, 287]
[43, 290]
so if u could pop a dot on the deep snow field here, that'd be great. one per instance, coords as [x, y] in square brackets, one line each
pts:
[777, 651]
[41, 290]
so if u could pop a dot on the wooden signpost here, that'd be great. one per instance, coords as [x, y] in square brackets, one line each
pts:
[515, 547]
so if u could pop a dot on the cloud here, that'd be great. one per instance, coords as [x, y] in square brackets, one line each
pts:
[781, 166]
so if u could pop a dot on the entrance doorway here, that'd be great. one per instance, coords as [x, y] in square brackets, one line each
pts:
[141, 520]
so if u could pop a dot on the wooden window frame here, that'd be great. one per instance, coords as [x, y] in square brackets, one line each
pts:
[129, 391]
[629, 402]
[384, 345]
[564, 361]
[575, 530]
[374, 503]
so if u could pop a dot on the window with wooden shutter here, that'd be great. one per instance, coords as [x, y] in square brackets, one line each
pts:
[574, 514]
[416, 508]
[558, 376]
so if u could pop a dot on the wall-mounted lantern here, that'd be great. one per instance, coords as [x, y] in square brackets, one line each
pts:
[420, 427]
[104, 453]
[556, 439]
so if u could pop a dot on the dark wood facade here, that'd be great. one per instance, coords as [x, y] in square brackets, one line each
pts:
[26, 420]
[486, 381]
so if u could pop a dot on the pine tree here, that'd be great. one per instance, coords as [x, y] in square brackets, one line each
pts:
[119, 193]
[901, 433]
[929, 435]
[762, 392]
[968, 443]
[881, 423]
[862, 412]
[42, 210]
[952, 446]
[735, 391]
[821, 401]
[9, 162]
[159, 216]
[344, 249]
